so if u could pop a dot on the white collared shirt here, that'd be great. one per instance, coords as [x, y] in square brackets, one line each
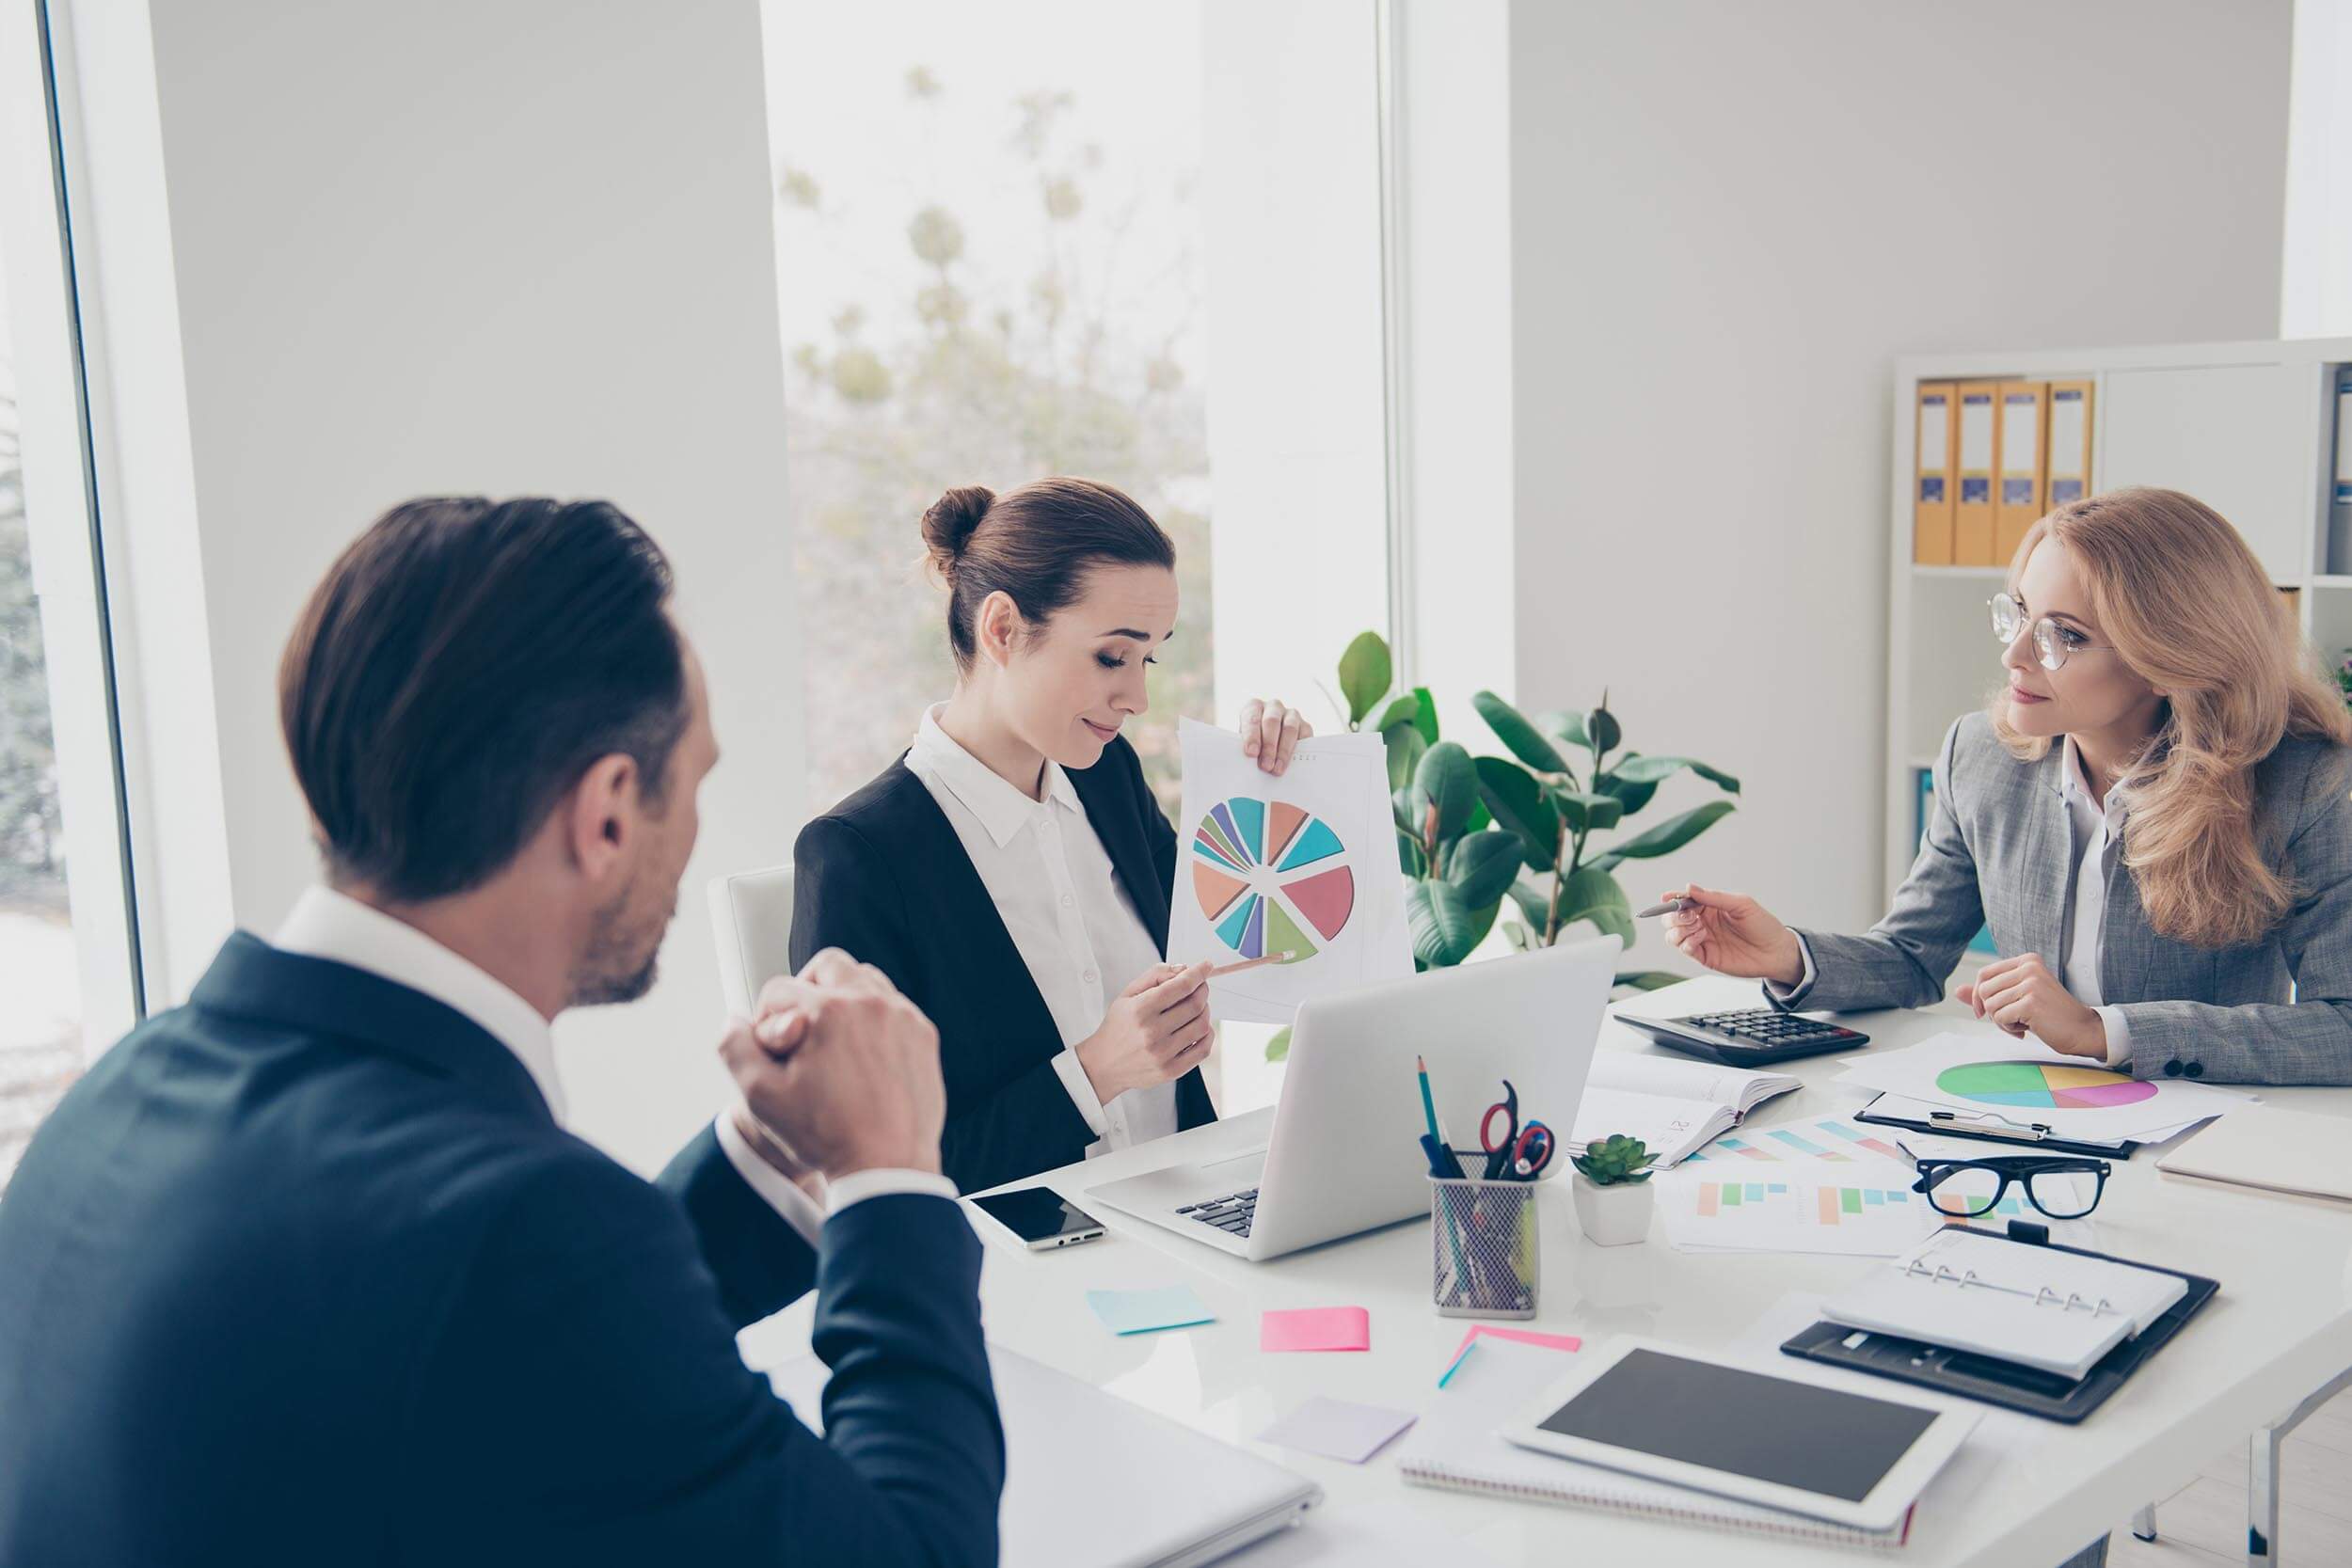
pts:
[1060, 899]
[2098, 833]
[325, 923]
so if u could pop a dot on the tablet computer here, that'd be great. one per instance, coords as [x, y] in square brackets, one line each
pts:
[1654, 1410]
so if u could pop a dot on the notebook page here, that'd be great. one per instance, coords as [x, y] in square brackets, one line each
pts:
[2143, 1296]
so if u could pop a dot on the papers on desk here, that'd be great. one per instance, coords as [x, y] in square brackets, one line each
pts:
[2056, 1310]
[2285, 1152]
[2025, 1084]
[1848, 1208]
[1671, 1105]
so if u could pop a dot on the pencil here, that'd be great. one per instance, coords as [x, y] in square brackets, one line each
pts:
[1252, 963]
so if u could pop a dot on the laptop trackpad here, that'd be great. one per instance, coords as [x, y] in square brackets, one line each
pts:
[1161, 1190]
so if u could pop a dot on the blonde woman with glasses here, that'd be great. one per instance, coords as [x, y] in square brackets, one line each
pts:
[2152, 816]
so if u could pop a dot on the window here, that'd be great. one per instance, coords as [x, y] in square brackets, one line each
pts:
[1140, 244]
[69, 979]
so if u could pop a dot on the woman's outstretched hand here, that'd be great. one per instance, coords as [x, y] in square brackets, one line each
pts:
[1732, 934]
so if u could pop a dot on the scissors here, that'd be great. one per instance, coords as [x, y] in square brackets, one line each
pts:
[1524, 1151]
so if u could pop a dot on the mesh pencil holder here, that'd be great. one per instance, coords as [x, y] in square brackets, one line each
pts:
[1482, 1248]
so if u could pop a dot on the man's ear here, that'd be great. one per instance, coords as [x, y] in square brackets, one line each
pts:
[996, 628]
[601, 816]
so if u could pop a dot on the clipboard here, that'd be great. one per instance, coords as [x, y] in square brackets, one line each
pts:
[1992, 1127]
[2007, 1384]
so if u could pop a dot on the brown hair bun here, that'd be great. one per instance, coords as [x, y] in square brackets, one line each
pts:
[948, 524]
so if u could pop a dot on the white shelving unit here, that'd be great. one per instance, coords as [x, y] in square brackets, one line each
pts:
[2246, 428]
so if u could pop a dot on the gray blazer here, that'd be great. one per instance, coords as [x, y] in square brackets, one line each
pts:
[2000, 849]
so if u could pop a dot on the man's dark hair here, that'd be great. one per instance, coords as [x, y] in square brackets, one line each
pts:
[457, 670]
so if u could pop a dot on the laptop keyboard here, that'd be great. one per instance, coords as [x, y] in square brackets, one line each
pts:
[1230, 1213]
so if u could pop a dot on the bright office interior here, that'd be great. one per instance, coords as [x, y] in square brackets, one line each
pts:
[1557, 342]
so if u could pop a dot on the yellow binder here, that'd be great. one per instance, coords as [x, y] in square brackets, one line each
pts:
[2070, 442]
[1932, 493]
[1972, 516]
[2018, 498]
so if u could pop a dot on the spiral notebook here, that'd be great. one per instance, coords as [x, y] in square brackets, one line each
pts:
[2039, 1307]
[1456, 1446]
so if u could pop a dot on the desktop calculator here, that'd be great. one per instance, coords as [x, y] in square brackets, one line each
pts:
[1747, 1039]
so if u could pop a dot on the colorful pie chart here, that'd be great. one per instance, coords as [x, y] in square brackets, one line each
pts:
[2042, 1086]
[1271, 878]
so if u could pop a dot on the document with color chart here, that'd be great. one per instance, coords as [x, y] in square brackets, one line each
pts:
[1304, 864]
[1856, 1208]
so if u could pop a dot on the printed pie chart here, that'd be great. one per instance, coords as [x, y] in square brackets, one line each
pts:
[1271, 878]
[2042, 1086]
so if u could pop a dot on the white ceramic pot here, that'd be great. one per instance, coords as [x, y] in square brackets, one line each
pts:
[1616, 1214]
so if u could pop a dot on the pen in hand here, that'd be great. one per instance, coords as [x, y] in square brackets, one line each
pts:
[1672, 905]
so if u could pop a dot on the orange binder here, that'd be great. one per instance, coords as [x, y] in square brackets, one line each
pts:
[1932, 493]
[2070, 442]
[1972, 515]
[2018, 458]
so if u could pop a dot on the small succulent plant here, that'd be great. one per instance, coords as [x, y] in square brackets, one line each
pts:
[1614, 1161]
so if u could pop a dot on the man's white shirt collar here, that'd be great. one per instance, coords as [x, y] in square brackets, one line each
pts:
[325, 923]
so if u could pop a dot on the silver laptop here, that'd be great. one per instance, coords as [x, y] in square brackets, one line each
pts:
[1094, 1482]
[1345, 1155]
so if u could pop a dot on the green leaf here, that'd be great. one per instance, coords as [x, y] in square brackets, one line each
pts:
[1521, 738]
[1649, 979]
[1586, 812]
[1364, 675]
[1595, 896]
[1401, 710]
[1517, 802]
[1634, 796]
[1483, 865]
[1406, 747]
[1520, 938]
[1279, 1047]
[1641, 770]
[1409, 856]
[1446, 776]
[1446, 928]
[1532, 894]
[1602, 732]
[1426, 717]
[1668, 837]
[1564, 723]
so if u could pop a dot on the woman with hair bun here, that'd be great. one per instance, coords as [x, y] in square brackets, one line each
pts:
[2151, 815]
[1010, 873]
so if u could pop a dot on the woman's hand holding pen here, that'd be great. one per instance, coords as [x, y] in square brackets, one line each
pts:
[1159, 1028]
[2021, 994]
[1271, 733]
[1732, 934]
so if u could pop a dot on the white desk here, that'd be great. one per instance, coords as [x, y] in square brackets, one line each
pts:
[2281, 1327]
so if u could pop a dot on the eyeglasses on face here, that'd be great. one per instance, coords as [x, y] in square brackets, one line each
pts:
[2054, 641]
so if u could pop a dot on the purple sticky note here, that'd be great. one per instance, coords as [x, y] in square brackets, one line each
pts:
[1337, 1429]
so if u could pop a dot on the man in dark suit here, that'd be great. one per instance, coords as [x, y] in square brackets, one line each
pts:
[308, 1271]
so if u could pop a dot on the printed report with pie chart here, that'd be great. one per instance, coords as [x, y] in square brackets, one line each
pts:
[1987, 1073]
[1305, 863]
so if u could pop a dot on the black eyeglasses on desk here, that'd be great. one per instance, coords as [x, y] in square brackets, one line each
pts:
[1966, 1188]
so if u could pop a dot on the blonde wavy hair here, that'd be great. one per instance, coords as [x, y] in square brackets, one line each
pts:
[2191, 611]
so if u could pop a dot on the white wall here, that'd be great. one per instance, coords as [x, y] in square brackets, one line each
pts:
[1728, 219]
[2315, 287]
[445, 247]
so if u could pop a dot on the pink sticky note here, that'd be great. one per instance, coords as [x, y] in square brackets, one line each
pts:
[1316, 1328]
[1519, 1335]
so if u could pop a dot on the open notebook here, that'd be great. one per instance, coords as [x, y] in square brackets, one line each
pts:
[1456, 1446]
[2036, 1306]
[1674, 1106]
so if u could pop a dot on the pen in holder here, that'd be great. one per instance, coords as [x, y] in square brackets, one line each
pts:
[1482, 1248]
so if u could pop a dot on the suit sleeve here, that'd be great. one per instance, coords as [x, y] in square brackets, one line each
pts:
[846, 894]
[1904, 960]
[585, 1402]
[761, 1264]
[2308, 1040]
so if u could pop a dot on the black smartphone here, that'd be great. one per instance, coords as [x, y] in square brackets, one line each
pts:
[1041, 1217]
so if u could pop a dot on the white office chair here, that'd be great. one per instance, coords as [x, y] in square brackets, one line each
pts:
[751, 924]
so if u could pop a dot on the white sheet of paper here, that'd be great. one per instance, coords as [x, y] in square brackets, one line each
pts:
[1847, 1209]
[1305, 863]
[1337, 1429]
[2071, 1097]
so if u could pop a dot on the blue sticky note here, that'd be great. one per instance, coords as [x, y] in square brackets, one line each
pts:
[1141, 1311]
